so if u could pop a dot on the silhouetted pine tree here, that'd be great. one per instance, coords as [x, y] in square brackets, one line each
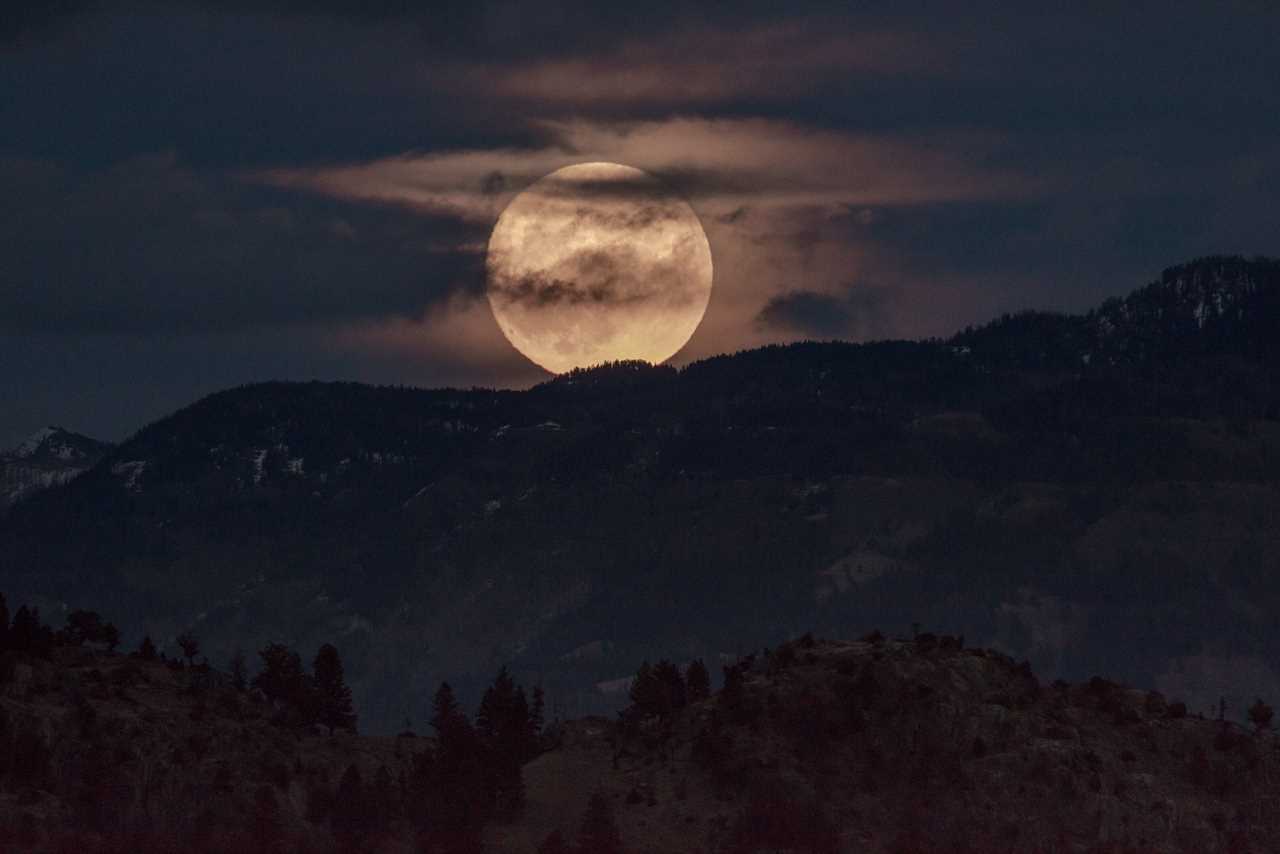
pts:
[239, 670]
[445, 713]
[502, 724]
[732, 697]
[537, 719]
[333, 696]
[190, 646]
[28, 635]
[147, 649]
[1260, 715]
[4, 623]
[646, 692]
[674, 695]
[284, 683]
[698, 681]
[452, 781]
[82, 627]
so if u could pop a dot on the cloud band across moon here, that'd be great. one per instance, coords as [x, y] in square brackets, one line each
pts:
[598, 262]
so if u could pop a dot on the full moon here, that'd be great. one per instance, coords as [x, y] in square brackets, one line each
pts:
[598, 262]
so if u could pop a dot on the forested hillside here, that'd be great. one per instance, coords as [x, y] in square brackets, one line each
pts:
[1094, 493]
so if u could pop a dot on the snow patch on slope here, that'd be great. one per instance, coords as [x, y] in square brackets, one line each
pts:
[130, 471]
[33, 442]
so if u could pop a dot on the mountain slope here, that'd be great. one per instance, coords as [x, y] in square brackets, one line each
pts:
[1094, 515]
[50, 457]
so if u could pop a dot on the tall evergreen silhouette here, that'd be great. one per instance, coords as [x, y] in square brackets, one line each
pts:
[335, 709]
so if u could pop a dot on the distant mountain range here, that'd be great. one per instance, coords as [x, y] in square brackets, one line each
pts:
[50, 457]
[1094, 492]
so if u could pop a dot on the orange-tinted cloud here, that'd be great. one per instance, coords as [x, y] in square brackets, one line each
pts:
[787, 209]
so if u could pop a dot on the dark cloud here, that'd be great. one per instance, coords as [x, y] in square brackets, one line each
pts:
[451, 27]
[151, 246]
[494, 183]
[858, 313]
[544, 292]
[613, 278]
[25, 22]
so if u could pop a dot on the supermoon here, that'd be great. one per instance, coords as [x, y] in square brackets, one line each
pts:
[598, 262]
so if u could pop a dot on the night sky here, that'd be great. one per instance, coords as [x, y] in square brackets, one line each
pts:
[193, 198]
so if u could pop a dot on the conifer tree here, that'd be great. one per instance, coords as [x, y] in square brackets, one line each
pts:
[732, 696]
[286, 684]
[333, 696]
[454, 779]
[147, 649]
[502, 723]
[698, 681]
[445, 714]
[190, 646]
[646, 691]
[27, 634]
[22, 630]
[83, 627]
[518, 727]
[537, 719]
[674, 694]
[239, 670]
[495, 706]
[4, 623]
[110, 636]
[1260, 715]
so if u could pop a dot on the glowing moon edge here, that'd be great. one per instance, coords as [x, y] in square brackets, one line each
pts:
[598, 262]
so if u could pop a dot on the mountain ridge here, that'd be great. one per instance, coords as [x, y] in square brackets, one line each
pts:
[49, 457]
[640, 511]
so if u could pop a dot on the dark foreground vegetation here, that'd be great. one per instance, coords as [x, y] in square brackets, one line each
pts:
[140, 752]
[822, 747]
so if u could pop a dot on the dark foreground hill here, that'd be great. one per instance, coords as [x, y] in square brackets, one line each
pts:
[912, 746]
[1096, 493]
[818, 747]
[104, 752]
